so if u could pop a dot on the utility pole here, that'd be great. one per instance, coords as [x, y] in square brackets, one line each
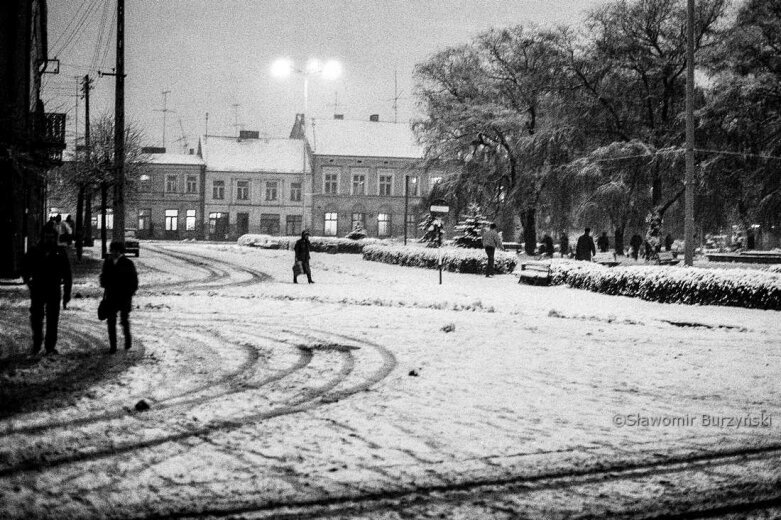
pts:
[119, 130]
[688, 224]
[164, 111]
[79, 231]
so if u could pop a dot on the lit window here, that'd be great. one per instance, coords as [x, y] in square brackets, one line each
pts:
[171, 219]
[413, 186]
[383, 224]
[189, 223]
[144, 183]
[329, 227]
[144, 219]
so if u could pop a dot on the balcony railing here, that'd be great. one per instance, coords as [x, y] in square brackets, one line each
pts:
[50, 134]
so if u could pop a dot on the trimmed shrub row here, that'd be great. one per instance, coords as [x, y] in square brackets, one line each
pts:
[317, 244]
[455, 260]
[665, 284]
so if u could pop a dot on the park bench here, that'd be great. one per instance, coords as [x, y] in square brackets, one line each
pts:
[608, 259]
[667, 258]
[512, 246]
[535, 273]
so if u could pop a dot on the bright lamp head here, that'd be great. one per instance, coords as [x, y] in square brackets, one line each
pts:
[281, 68]
[332, 69]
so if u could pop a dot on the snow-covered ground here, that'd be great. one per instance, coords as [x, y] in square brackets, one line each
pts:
[373, 380]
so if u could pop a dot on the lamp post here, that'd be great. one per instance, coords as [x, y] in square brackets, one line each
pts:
[283, 68]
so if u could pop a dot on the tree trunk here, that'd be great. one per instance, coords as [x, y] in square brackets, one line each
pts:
[529, 223]
[79, 231]
[88, 218]
[619, 240]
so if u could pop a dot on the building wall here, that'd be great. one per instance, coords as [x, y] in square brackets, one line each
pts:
[256, 205]
[346, 202]
[156, 200]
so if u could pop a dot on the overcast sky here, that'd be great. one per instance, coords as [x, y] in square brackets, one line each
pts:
[212, 55]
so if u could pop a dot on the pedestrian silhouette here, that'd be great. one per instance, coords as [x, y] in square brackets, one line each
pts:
[120, 282]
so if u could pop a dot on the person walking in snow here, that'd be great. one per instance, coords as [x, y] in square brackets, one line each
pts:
[302, 249]
[585, 249]
[564, 245]
[603, 243]
[120, 281]
[44, 269]
[635, 242]
[491, 242]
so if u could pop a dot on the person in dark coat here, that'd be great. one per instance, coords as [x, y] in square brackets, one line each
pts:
[603, 243]
[491, 242]
[120, 281]
[585, 246]
[44, 269]
[564, 245]
[302, 248]
[668, 242]
[548, 241]
[635, 242]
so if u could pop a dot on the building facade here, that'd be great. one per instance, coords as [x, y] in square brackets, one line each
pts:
[254, 185]
[168, 201]
[31, 141]
[361, 173]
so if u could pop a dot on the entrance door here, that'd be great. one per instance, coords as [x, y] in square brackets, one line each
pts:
[242, 223]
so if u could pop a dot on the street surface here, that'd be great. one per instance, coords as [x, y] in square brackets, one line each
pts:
[377, 393]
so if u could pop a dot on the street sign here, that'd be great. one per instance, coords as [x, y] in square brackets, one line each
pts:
[440, 209]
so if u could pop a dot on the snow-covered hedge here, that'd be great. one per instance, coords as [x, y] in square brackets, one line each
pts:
[735, 287]
[457, 260]
[317, 244]
[775, 268]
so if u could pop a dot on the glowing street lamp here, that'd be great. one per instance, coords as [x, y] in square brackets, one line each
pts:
[283, 68]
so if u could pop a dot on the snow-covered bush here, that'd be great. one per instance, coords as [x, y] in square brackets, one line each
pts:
[691, 285]
[457, 260]
[317, 244]
[357, 233]
[775, 268]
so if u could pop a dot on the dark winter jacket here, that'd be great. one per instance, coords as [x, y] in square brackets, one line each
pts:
[585, 248]
[302, 250]
[44, 270]
[603, 242]
[636, 241]
[120, 281]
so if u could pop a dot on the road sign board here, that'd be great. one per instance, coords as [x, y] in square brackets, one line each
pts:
[440, 209]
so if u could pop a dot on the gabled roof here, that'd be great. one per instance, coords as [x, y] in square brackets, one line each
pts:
[362, 139]
[174, 158]
[231, 154]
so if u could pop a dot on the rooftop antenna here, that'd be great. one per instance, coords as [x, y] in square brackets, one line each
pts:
[183, 138]
[236, 117]
[396, 96]
[165, 111]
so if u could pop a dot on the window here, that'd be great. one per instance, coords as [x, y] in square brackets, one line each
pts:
[386, 184]
[144, 183]
[242, 190]
[97, 219]
[293, 225]
[331, 183]
[189, 223]
[218, 190]
[218, 223]
[383, 224]
[171, 219]
[170, 183]
[359, 184]
[412, 228]
[192, 184]
[144, 219]
[329, 227]
[358, 221]
[271, 191]
[295, 191]
[269, 224]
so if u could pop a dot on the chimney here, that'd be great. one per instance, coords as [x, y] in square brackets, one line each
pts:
[338, 116]
[249, 134]
[374, 117]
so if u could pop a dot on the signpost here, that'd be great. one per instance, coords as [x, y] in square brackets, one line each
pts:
[438, 224]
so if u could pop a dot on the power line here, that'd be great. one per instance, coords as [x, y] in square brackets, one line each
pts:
[76, 33]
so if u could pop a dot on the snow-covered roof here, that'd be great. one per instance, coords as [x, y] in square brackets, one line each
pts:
[362, 139]
[175, 158]
[231, 154]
